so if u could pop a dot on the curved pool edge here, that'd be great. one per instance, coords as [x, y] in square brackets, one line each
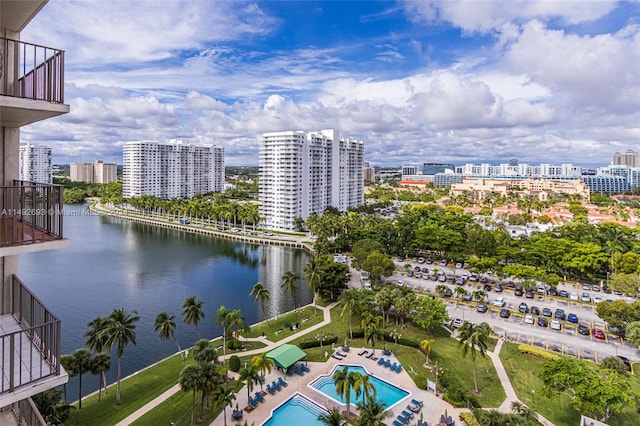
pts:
[286, 401]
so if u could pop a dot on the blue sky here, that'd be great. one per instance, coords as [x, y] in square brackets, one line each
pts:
[417, 81]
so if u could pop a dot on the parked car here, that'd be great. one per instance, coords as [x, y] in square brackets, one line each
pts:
[459, 281]
[518, 291]
[458, 265]
[598, 334]
[409, 273]
[563, 293]
[483, 279]
[499, 302]
[546, 312]
[498, 288]
[442, 278]
[416, 268]
[542, 322]
[448, 292]
[597, 298]
[421, 260]
[458, 322]
[505, 313]
[487, 287]
[607, 290]
[523, 308]
[534, 310]
[429, 261]
[583, 329]
[400, 283]
[552, 291]
[618, 331]
[467, 297]
[586, 287]
[573, 296]
[555, 325]
[434, 277]
[572, 318]
[482, 308]
[626, 361]
[425, 270]
[595, 287]
[443, 262]
[585, 297]
[528, 319]
[559, 314]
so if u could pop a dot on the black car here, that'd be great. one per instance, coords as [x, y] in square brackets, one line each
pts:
[542, 322]
[563, 293]
[400, 258]
[559, 315]
[482, 308]
[607, 290]
[523, 308]
[618, 331]
[504, 313]
[448, 292]
[626, 361]
[529, 294]
[552, 291]
[584, 330]
[487, 287]
[497, 288]
[518, 291]
[409, 273]
[546, 312]
[535, 310]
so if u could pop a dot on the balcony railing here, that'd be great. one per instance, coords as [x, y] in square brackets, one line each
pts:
[31, 71]
[30, 352]
[30, 213]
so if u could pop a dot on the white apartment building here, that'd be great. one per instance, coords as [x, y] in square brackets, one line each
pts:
[305, 172]
[35, 163]
[31, 91]
[98, 172]
[171, 170]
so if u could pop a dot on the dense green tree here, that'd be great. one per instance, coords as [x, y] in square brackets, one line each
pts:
[625, 283]
[619, 313]
[615, 364]
[249, 375]
[633, 332]
[362, 249]
[372, 412]
[379, 266]
[430, 313]
[52, 407]
[223, 396]
[204, 351]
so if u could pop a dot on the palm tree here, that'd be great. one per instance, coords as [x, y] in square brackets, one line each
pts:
[192, 311]
[290, 284]
[50, 404]
[237, 322]
[333, 417]
[203, 351]
[248, 375]
[312, 274]
[365, 386]
[262, 294]
[262, 364]
[372, 412]
[350, 300]
[345, 381]
[222, 319]
[166, 326]
[426, 346]
[371, 326]
[223, 396]
[96, 336]
[473, 338]
[100, 364]
[190, 381]
[121, 332]
[209, 380]
[76, 364]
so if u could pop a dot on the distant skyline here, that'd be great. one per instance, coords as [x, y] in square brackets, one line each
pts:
[418, 81]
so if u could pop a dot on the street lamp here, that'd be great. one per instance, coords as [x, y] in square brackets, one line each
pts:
[533, 395]
[608, 273]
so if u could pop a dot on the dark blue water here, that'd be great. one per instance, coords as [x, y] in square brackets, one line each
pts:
[112, 263]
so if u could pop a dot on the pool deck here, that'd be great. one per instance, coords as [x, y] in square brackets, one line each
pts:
[431, 411]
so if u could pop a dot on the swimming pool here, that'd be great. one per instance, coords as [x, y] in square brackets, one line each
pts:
[297, 410]
[385, 391]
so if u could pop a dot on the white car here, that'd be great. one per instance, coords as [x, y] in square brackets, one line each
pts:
[597, 298]
[458, 322]
[555, 325]
[573, 296]
[528, 319]
[400, 283]
[500, 302]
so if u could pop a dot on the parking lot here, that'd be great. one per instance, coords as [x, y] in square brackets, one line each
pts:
[567, 340]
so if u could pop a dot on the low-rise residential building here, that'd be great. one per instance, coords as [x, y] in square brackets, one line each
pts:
[541, 188]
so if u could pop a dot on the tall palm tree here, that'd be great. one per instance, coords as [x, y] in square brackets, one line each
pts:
[203, 351]
[223, 396]
[333, 417]
[312, 274]
[290, 284]
[371, 325]
[372, 412]
[345, 381]
[350, 300]
[100, 365]
[366, 387]
[473, 338]
[262, 364]
[261, 294]
[222, 319]
[190, 381]
[237, 322]
[166, 326]
[121, 332]
[426, 346]
[96, 336]
[248, 375]
[192, 311]
[76, 364]
[210, 379]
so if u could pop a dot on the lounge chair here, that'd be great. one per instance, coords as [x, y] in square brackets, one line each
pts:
[271, 390]
[253, 402]
[414, 408]
[397, 423]
[289, 372]
[336, 356]
[407, 414]
[298, 372]
[399, 368]
[362, 352]
[276, 386]
[387, 363]
[305, 368]
[403, 419]
[370, 354]
[282, 382]
[342, 354]
[236, 415]
[416, 402]
[393, 367]
[381, 361]
[259, 397]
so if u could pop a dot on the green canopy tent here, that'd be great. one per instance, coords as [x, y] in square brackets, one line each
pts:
[286, 355]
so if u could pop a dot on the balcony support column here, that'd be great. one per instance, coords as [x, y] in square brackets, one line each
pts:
[9, 155]
[8, 267]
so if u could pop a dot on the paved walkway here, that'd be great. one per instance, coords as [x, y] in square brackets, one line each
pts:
[326, 310]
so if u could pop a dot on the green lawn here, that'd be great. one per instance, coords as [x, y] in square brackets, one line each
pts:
[523, 373]
[305, 317]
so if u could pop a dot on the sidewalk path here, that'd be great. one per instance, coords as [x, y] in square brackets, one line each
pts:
[326, 310]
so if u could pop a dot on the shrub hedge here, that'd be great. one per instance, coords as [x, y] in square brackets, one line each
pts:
[469, 419]
[537, 352]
